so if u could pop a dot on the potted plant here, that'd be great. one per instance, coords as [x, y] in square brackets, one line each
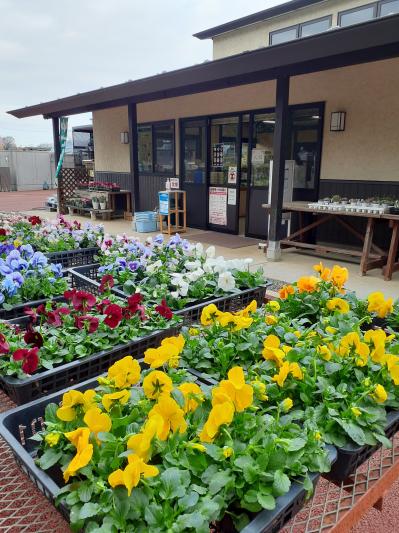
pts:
[95, 202]
[103, 202]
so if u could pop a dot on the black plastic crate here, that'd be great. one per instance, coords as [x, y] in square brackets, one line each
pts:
[72, 258]
[350, 457]
[19, 309]
[87, 278]
[22, 391]
[17, 425]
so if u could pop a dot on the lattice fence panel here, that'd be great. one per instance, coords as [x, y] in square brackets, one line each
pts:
[67, 184]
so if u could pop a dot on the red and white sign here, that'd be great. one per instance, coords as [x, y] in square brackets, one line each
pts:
[218, 205]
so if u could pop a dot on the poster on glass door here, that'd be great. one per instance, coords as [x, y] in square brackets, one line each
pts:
[218, 206]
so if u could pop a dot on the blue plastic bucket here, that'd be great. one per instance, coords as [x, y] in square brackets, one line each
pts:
[145, 221]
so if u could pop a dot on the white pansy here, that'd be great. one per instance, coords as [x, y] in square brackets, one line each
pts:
[174, 294]
[226, 281]
[199, 248]
[152, 268]
[211, 251]
[192, 265]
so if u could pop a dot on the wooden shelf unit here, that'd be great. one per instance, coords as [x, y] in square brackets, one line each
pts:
[176, 206]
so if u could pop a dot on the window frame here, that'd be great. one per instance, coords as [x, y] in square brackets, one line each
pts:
[171, 122]
[298, 29]
[294, 27]
[319, 19]
[374, 5]
[380, 4]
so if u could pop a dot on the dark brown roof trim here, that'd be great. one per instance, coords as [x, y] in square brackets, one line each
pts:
[260, 16]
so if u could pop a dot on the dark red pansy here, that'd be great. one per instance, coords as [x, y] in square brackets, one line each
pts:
[4, 346]
[114, 315]
[134, 300]
[31, 312]
[68, 295]
[107, 282]
[102, 305]
[30, 359]
[33, 337]
[92, 321]
[3, 232]
[164, 310]
[54, 319]
[63, 311]
[35, 220]
[83, 300]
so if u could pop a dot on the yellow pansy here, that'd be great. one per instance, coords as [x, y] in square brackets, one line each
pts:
[260, 390]
[219, 415]
[287, 404]
[338, 304]
[157, 383]
[331, 330]
[130, 476]
[234, 390]
[273, 305]
[307, 283]
[171, 414]
[339, 276]
[196, 446]
[121, 397]
[380, 394]
[377, 304]
[70, 400]
[177, 341]
[192, 396]
[317, 435]
[351, 343]
[324, 273]
[167, 353]
[125, 372]
[84, 451]
[227, 451]
[224, 319]
[52, 439]
[271, 350]
[271, 320]
[208, 315]
[251, 308]
[193, 332]
[286, 369]
[324, 352]
[377, 338]
[356, 411]
[17, 243]
[97, 421]
[242, 322]
[141, 442]
[392, 362]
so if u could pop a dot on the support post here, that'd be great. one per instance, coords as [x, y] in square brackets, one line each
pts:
[57, 153]
[279, 155]
[133, 153]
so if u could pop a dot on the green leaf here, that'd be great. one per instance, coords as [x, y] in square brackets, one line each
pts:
[384, 441]
[296, 444]
[85, 491]
[267, 501]
[49, 458]
[189, 500]
[191, 520]
[174, 483]
[220, 480]
[281, 483]
[88, 510]
[308, 485]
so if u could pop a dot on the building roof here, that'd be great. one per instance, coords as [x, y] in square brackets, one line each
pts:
[260, 16]
[374, 40]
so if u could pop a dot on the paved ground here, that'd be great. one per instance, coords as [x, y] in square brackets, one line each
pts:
[24, 200]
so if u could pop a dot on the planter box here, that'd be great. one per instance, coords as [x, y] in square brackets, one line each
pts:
[350, 457]
[87, 278]
[18, 309]
[17, 425]
[22, 391]
[71, 258]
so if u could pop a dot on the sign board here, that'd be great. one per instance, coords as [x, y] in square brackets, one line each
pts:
[174, 183]
[163, 203]
[218, 205]
[232, 175]
[217, 155]
[232, 197]
[63, 139]
[258, 156]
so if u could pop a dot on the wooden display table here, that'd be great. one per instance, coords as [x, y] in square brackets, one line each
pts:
[172, 203]
[371, 256]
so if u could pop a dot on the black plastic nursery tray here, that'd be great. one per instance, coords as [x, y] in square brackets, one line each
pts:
[350, 457]
[17, 425]
[72, 258]
[19, 309]
[22, 391]
[87, 278]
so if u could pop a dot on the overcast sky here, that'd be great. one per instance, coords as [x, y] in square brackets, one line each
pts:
[50, 48]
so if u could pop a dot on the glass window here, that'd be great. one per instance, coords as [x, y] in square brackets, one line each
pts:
[283, 36]
[357, 15]
[145, 148]
[262, 149]
[390, 7]
[164, 149]
[194, 146]
[315, 26]
[224, 132]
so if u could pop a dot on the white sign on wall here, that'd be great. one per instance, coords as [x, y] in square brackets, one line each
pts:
[174, 183]
[232, 175]
[232, 197]
[218, 205]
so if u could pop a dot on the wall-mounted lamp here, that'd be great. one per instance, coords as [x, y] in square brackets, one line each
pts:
[124, 137]
[337, 122]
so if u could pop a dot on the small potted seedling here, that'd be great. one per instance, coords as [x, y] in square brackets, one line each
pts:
[95, 202]
[103, 202]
